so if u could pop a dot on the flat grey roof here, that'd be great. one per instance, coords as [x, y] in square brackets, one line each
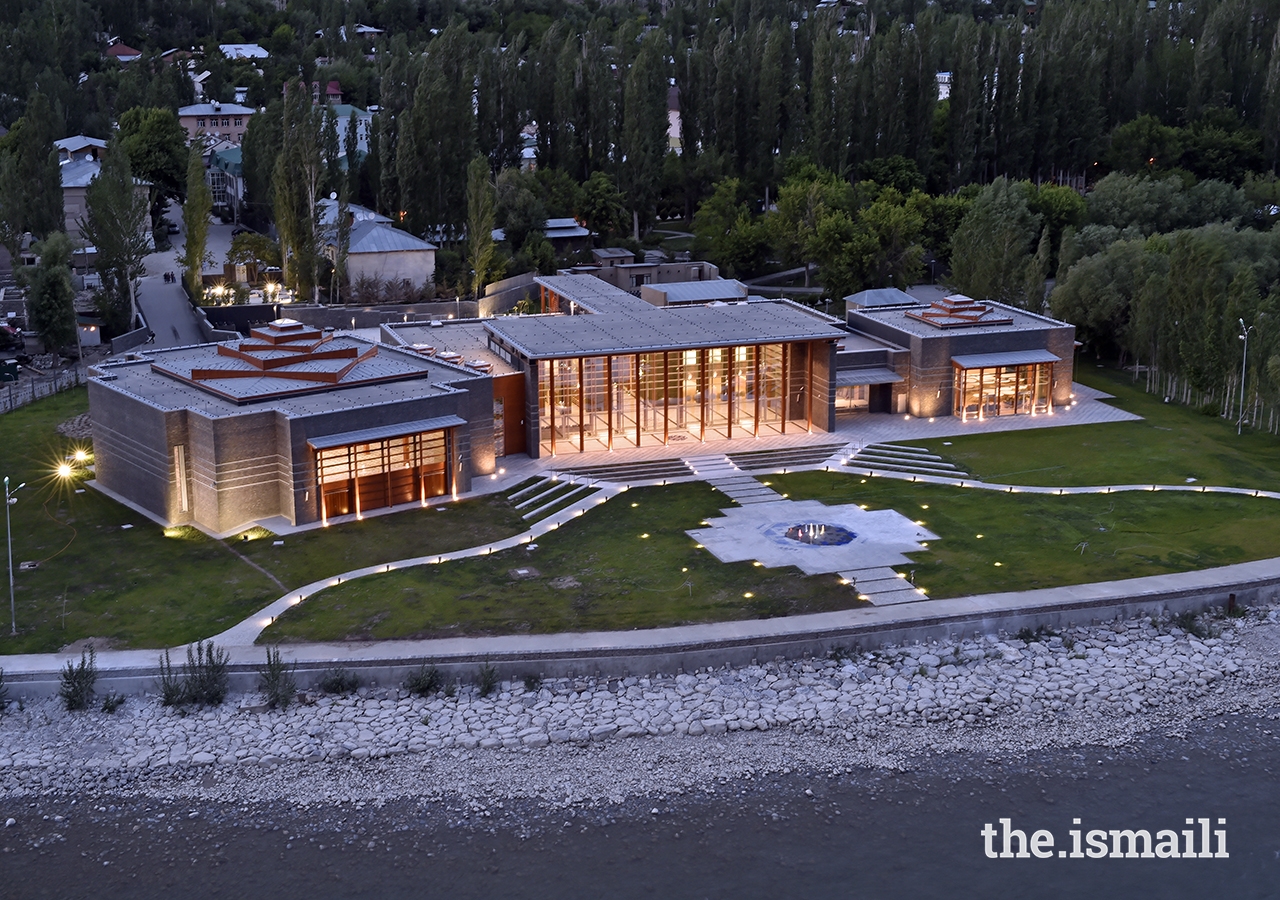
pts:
[139, 379]
[468, 338]
[851, 377]
[663, 328]
[367, 435]
[701, 291]
[1011, 358]
[595, 295]
[855, 343]
[899, 320]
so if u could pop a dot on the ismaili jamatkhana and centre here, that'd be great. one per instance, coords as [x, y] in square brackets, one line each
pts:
[301, 425]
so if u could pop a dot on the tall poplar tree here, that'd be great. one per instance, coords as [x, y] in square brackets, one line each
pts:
[195, 221]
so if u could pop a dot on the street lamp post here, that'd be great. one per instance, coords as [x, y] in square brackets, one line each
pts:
[1244, 358]
[9, 500]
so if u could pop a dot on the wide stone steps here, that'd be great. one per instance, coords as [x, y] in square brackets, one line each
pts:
[792, 457]
[625, 472]
[903, 460]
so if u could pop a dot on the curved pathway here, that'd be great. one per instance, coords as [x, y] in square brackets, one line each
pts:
[246, 632]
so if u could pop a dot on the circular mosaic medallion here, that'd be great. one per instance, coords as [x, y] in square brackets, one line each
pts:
[819, 534]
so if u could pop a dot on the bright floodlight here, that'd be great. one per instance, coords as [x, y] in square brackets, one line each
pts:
[81, 456]
[64, 470]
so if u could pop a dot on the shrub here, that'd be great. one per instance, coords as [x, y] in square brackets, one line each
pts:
[173, 688]
[276, 679]
[338, 680]
[488, 679]
[533, 683]
[1190, 623]
[206, 674]
[203, 678]
[425, 681]
[451, 690]
[112, 702]
[76, 682]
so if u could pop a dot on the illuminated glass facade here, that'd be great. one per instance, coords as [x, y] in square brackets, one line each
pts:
[1024, 390]
[360, 477]
[630, 400]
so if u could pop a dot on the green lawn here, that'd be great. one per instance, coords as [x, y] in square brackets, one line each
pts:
[1044, 541]
[1171, 443]
[97, 579]
[314, 554]
[142, 589]
[597, 572]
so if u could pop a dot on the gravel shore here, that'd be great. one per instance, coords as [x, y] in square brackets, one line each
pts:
[584, 741]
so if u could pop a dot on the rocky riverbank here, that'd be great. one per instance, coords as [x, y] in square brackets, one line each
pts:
[568, 741]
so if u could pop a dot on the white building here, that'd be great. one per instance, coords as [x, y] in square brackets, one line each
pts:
[379, 251]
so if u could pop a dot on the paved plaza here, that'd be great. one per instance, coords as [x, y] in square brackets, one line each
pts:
[815, 538]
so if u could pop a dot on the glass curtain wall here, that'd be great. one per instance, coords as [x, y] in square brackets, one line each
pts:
[1003, 391]
[361, 477]
[650, 399]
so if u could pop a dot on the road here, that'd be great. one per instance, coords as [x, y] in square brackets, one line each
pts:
[164, 305]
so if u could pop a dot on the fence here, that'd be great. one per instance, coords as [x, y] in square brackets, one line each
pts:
[19, 393]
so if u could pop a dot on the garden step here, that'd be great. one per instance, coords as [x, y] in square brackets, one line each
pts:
[940, 468]
[546, 507]
[876, 465]
[558, 487]
[902, 448]
[529, 489]
[756, 460]
[882, 586]
[633, 471]
[904, 457]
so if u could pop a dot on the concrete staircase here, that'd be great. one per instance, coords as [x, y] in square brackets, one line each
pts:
[786, 458]
[883, 586]
[731, 481]
[628, 472]
[902, 460]
[549, 495]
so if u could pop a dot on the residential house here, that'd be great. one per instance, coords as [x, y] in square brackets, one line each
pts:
[243, 51]
[380, 251]
[79, 147]
[216, 119]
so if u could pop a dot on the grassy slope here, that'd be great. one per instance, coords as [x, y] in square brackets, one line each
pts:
[1171, 443]
[96, 579]
[320, 552]
[623, 581]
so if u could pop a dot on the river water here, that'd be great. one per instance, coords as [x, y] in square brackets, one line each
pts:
[866, 834]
